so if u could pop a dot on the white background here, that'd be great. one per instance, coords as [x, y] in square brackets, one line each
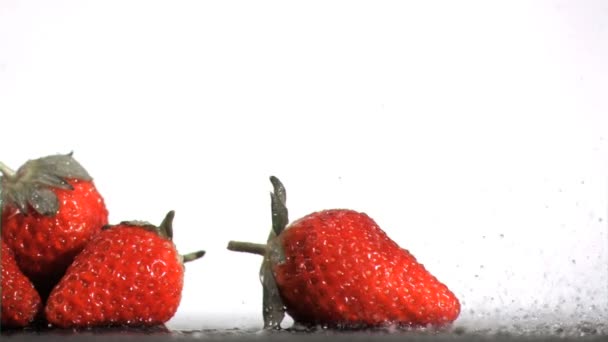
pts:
[474, 133]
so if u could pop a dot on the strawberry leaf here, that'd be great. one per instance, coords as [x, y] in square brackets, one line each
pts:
[166, 227]
[280, 216]
[57, 167]
[273, 309]
[44, 201]
[164, 230]
[32, 184]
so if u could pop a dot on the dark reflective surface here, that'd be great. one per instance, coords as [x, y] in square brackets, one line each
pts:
[162, 333]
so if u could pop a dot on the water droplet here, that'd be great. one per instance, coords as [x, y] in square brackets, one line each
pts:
[459, 331]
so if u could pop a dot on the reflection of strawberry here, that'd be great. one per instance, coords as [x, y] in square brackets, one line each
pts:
[51, 208]
[338, 268]
[20, 301]
[129, 274]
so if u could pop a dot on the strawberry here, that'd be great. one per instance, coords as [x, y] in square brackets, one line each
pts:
[51, 208]
[337, 268]
[129, 274]
[20, 301]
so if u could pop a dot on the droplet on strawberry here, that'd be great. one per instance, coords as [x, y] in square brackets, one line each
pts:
[20, 301]
[50, 210]
[337, 268]
[129, 274]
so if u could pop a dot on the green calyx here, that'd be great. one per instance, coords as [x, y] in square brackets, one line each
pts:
[164, 230]
[33, 183]
[273, 307]
[280, 220]
[278, 199]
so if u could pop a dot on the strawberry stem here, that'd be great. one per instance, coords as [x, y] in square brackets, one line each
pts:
[7, 171]
[247, 247]
[192, 256]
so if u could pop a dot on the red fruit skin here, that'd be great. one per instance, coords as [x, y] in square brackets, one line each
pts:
[341, 269]
[20, 301]
[45, 246]
[126, 276]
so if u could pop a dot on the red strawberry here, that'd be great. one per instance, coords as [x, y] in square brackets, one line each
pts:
[130, 274]
[337, 268]
[20, 301]
[51, 209]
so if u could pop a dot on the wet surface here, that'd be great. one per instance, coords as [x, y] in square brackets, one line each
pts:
[543, 332]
